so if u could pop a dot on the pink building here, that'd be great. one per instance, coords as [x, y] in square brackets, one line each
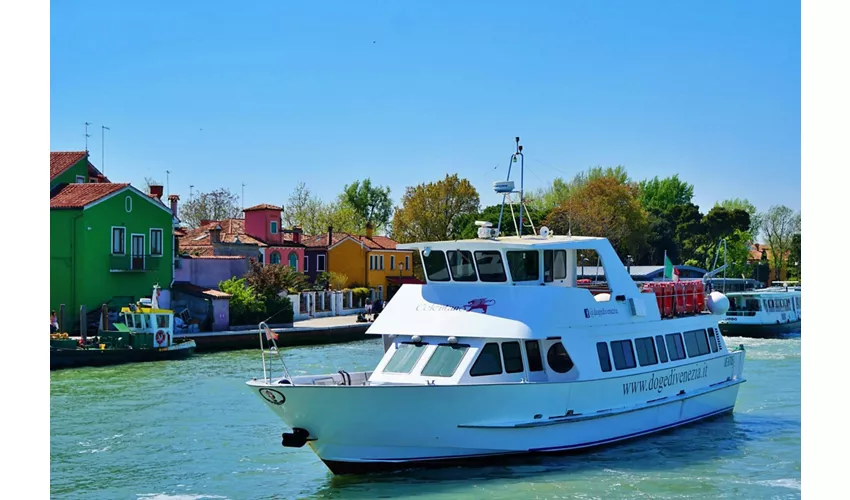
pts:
[262, 222]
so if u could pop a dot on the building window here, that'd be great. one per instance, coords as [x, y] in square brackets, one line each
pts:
[81, 179]
[381, 292]
[274, 227]
[392, 262]
[306, 263]
[118, 240]
[156, 241]
[274, 258]
[382, 262]
[293, 260]
[407, 264]
[320, 263]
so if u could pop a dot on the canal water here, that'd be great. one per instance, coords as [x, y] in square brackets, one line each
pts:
[192, 430]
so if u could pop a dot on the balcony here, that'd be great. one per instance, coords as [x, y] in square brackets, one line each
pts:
[135, 263]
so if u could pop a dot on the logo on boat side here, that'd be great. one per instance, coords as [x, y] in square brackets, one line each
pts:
[273, 396]
[599, 312]
[473, 305]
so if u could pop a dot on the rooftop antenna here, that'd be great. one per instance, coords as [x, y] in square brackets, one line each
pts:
[87, 136]
[103, 129]
[167, 181]
[243, 196]
[190, 190]
[506, 189]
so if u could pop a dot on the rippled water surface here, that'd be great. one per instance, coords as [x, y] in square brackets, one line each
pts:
[192, 430]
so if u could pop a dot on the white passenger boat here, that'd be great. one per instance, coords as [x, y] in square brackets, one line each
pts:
[500, 353]
[764, 313]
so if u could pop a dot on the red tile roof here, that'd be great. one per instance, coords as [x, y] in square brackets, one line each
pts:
[317, 241]
[60, 161]
[217, 257]
[198, 239]
[193, 289]
[379, 242]
[80, 195]
[263, 206]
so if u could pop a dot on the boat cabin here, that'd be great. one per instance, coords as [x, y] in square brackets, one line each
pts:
[150, 326]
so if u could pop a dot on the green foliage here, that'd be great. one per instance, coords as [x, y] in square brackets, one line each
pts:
[214, 205]
[359, 295]
[779, 225]
[660, 195]
[547, 199]
[247, 307]
[491, 214]
[745, 205]
[371, 203]
[305, 209]
[435, 211]
[269, 280]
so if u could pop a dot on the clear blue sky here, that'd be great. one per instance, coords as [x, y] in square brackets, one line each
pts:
[269, 93]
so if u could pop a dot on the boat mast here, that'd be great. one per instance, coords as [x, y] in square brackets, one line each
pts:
[507, 192]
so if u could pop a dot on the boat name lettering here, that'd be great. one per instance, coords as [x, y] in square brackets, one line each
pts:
[473, 305]
[588, 313]
[658, 383]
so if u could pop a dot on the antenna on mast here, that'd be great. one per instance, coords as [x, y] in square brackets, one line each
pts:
[87, 136]
[507, 188]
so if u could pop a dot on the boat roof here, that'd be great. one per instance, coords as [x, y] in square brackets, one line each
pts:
[578, 242]
[146, 310]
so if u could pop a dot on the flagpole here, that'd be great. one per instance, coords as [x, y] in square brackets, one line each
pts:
[664, 274]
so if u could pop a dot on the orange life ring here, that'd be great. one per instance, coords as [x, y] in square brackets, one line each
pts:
[160, 337]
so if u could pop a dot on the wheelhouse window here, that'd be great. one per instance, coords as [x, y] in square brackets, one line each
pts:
[489, 361]
[712, 340]
[624, 355]
[162, 320]
[558, 359]
[491, 269]
[405, 357]
[435, 266]
[554, 265]
[445, 360]
[696, 343]
[156, 241]
[675, 347]
[118, 237]
[604, 358]
[461, 266]
[532, 351]
[525, 265]
[662, 350]
[513, 357]
[645, 348]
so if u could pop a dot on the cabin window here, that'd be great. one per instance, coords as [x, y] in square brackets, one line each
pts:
[435, 266]
[645, 348]
[513, 357]
[128, 318]
[405, 357]
[558, 359]
[604, 358]
[532, 351]
[675, 347]
[624, 355]
[662, 350]
[445, 360]
[696, 343]
[460, 263]
[712, 340]
[140, 321]
[490, 267]
[525, 265]
[162, 321]
[489, 361]
[554, 265]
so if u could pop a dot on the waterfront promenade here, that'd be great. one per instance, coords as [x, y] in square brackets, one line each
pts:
[315, 331]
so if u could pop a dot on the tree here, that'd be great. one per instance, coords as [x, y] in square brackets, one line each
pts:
[605, 206]
[373, 204]
[662, 194]
[303, 209]
[718, 224]
[268, 280]
[688, 229]
[780, 224]
[745, 205]
[215, 205]
[434, 211]
[795, 258]
[491, 214]
[548, 198]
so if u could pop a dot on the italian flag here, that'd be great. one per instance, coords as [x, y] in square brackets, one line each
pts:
[670, 270]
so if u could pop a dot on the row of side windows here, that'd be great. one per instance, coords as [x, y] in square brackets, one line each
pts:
[651, 351]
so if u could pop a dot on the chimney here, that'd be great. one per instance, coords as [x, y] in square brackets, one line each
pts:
[296, 234]
[173, 199]
[156, 191]
[330, 236]
[369, 230]
[215, 234]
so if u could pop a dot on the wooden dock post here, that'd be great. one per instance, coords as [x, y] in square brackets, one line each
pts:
[61, 318]
[104, 317]
[83, 321]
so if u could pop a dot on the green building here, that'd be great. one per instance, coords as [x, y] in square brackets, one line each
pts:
[109, 242]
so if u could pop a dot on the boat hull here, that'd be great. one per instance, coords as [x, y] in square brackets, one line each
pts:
[759, 330]
[356, 429]
[73, 358]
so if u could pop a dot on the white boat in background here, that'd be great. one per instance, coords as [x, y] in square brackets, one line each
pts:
[764, 313]
[501, 353]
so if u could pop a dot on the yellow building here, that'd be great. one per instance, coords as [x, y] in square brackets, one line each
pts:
[370, 261]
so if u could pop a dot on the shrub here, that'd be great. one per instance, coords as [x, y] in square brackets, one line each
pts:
[249, 308]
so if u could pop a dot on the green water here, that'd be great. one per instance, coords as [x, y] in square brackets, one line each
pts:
[192, 430]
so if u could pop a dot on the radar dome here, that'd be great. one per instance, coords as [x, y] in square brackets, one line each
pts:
[717, 303]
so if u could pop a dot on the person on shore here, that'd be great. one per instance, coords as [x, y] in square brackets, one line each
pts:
[54, 322]
[377, 307]
[369, 308]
